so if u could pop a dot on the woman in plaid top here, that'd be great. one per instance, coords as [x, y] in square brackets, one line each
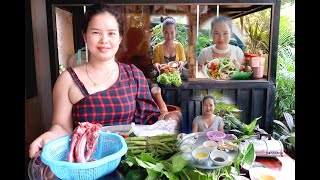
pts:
[102, 90]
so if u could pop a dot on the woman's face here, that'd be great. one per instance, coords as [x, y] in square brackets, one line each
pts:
[169, 32]
[102, 36]
[221, 35]
[208, 106]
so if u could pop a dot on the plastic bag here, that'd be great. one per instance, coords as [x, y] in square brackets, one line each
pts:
[160, 127]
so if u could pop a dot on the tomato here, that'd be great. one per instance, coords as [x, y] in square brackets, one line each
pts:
[212, 66]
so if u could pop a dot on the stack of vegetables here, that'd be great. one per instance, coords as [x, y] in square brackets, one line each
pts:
[162, 144]
[169, 76]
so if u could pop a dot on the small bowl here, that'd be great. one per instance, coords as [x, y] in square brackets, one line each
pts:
[200, 154]
[241, 178]
[219, 157]
[173, 64]
[260, 173]
[211, 145]
[186, 148]
[216, 135]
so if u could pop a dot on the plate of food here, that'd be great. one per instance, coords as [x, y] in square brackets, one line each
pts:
[220, 69]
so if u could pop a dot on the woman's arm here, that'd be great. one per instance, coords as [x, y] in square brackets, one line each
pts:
[62, 114]
[62, 121]
[195, 128]
[147, 111]
[181, 56]
[157, 54]
[221, 125]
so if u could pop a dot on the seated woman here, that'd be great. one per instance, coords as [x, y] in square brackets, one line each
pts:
[169, 49]
[208, 121]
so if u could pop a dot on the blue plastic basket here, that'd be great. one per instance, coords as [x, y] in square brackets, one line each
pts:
[110, 148]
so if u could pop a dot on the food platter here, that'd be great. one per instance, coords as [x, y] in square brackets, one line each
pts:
[196, 140]
[219, 69]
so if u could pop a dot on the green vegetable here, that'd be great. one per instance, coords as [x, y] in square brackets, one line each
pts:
[172, 78]
[246, 156]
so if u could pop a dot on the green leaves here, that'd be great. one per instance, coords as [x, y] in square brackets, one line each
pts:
[249, 129]
[173, 78]
[246, 157]
[178, 163]
[285, 132]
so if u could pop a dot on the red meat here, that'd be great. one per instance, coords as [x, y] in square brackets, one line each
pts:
[83, 143]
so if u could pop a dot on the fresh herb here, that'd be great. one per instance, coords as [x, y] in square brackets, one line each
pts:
[172, 78]
[245, 157]
[245, 129]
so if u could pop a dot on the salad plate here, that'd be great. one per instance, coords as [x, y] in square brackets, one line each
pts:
[220, 69]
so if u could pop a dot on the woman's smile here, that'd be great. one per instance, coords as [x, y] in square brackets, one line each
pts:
[104, 49]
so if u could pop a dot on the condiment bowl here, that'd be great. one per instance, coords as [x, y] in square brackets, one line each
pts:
[211, 145]
[261, 173]
[186, 148]
[200, 154]
[219, 157]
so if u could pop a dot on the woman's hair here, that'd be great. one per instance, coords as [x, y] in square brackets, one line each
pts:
[209, 97]
[169, 21]
[219, 19]
[96, 9]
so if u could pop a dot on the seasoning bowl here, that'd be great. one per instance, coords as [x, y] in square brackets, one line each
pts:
[261, 173]
[186, 148]
[211, 145]
[219, 157]
[200, 154]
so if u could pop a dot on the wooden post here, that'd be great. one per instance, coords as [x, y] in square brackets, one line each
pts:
[192, 41]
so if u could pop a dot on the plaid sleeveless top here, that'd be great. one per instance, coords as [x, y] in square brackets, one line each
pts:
[128, 100]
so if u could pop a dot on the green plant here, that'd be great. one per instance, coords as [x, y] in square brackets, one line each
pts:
[231, 115]
[245, 157]
[285, 133]
[257, 33]
[203, 41]
[228, 111]
[285, 87]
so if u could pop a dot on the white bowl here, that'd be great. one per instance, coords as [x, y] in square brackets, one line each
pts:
[241, 178]
[211, 145]
[260, 173]
[200, 154]
[219, 157]
[186, 148]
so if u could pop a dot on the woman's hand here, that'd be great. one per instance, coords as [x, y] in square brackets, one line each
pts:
[56, 131]
[39, 143]
[180, 65]
[157, 67]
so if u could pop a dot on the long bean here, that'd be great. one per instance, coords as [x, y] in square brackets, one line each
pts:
[137, 142]
[136, 147]
[162, 144]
